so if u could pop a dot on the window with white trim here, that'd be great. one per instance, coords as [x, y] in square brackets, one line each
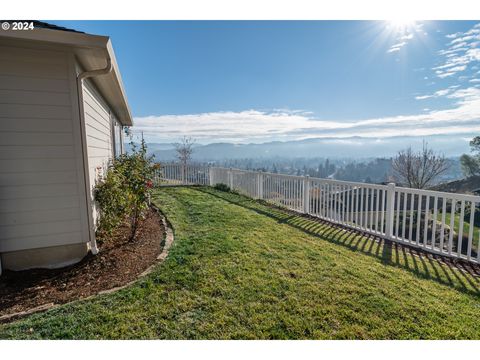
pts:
[117, 137]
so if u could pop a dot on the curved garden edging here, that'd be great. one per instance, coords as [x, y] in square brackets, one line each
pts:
[167, 243]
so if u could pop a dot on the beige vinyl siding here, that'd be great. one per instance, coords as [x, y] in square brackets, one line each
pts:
[98, 131]
[41, 198]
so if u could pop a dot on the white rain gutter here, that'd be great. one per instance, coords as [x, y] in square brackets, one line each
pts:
[92, 73]
[82, 76]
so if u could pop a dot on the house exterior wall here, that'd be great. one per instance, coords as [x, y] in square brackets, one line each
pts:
[100, 140]
[42, 181]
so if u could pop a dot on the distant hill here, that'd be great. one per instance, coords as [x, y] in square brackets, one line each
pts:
[325, 147]
[469, 185]
[152, 146]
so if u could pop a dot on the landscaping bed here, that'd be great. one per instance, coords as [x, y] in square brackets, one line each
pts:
[121, 260]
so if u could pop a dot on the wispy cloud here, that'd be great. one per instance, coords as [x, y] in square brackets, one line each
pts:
[423, 97]
[405, 36]
[461, 52]
[438, 93]
[396, 47]
[453, 36]
[261, 126]
[461, 55]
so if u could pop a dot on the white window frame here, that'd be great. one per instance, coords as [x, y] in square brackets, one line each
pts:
[116, 141]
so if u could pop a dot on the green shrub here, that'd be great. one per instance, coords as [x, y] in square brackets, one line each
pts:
[476, 217]
[124, 192]
[113, 204]
[222, 187]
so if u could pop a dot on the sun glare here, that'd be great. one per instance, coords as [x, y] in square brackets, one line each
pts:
[401, 25]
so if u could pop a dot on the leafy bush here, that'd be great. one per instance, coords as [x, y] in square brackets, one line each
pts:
[124, 192]
[109, 195]
[222, 187]
[476, 218]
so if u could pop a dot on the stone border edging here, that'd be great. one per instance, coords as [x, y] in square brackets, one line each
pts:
[169, 238]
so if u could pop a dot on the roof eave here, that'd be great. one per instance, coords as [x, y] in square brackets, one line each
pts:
[87, 49]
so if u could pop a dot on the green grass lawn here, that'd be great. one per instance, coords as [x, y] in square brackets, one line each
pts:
[456, 222]
[242, 270]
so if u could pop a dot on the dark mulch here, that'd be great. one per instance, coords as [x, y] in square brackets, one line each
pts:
[121, 260]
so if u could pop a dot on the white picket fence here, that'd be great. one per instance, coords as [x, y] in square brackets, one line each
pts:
[176, 174]
[431, 220]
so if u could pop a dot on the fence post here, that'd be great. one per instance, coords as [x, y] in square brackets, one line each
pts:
[155, 178]
[230, 179]
[260, 185]
[306, 194]
[390, 211]
[210, 176]
[182, 169]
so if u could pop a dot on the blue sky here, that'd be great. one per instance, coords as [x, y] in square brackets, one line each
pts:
[263, 81]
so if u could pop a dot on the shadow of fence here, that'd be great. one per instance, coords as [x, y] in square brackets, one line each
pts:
[460, 275]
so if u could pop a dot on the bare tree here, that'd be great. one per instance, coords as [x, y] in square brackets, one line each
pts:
[184, 150]
[419, 169]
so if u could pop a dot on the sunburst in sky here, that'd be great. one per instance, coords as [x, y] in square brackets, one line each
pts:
[257, 81]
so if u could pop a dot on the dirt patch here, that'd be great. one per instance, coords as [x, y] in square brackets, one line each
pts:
[120, 261]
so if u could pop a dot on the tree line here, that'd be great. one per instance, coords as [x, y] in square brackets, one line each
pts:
[471, 163]
[415, 169]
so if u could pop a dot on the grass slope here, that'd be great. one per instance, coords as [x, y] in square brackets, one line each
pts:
[239, 269]
[466, 227]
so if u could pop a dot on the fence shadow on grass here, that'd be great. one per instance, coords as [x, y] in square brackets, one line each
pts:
[459, 275]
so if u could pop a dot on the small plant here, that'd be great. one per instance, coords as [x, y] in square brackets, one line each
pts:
[222, 187]
[111, 199]
[124, 192]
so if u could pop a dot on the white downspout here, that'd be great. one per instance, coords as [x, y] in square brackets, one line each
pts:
[82, 76]
[92, 73]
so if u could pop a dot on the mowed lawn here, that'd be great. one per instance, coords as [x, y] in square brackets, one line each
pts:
[466, 226]
[242, 270]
